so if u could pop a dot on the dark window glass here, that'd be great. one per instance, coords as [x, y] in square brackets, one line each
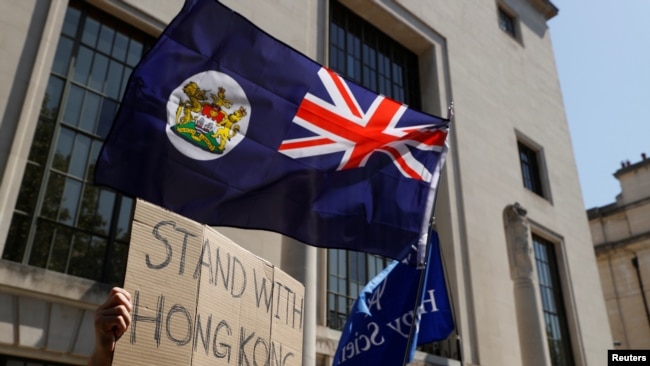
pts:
[70, 22]
[105, 42]
[62, 56]
[61, 221]
[507, 23]
[98, 72]
[348, 274]
[362, 53]
[114, 79]
[365, 55]
[557, 331]
[530, 169]
[83, 61]
[119, 46]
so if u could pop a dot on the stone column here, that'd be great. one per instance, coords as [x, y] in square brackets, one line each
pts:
[530, 319]
[300, 262]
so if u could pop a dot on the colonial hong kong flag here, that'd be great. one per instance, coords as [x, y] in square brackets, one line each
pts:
[228, 126]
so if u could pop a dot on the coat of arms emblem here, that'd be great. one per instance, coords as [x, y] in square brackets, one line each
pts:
[205, 117]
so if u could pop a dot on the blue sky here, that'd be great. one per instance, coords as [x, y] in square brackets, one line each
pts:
[602, 51]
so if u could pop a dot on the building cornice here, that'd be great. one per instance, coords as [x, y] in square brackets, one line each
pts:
[545, 7]
[633, 243]
[613, 209]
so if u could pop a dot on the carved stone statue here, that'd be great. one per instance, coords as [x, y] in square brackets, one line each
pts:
[520, 249]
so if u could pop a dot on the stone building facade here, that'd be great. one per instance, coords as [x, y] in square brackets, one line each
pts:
[515, 241]
[621, 234]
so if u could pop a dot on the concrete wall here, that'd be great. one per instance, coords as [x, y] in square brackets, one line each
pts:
[621, 237]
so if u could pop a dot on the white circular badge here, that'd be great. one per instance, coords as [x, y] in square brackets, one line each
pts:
[207, 115]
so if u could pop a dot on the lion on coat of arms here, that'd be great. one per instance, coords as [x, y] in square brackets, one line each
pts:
[208, 125]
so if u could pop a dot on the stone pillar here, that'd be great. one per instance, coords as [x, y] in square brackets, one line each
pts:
[300, 262]
[530, 321]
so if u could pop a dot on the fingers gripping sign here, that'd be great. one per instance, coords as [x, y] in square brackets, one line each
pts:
[112, 319]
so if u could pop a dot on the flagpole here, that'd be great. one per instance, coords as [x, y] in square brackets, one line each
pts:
[423, 270]
[418, 297]
[451, 305]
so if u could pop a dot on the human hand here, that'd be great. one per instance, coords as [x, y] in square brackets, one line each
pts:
[112, 319]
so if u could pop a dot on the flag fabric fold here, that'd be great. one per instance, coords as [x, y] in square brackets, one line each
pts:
[226, 125]
[378, 327]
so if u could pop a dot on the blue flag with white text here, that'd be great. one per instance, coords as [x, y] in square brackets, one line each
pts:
[378, 327]
[228, 126]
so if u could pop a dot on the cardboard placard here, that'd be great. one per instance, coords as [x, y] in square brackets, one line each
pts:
[200, 299]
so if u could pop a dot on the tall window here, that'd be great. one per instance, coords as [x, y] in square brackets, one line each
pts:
[364, 54]
[507, 22]
[349, 272]
[530, 168]
[62, 222]
[555, 320]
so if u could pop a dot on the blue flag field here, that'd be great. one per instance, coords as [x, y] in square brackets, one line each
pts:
[228, 126]
[379, 324]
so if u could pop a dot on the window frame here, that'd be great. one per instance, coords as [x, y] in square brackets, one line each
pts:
[561, 296]
[355, 65]
[431, 64]
[538, 183]
[57, 240]
[508, 21]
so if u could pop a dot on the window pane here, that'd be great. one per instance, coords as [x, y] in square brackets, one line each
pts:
[63, 151]
[372, 268]
[343, 268]
[331, 260]
[91, 29]
[71, 22]
[73, 105]
[45, 128]
[79, 156]
[90, 112]
[60, 248]
[559, 342]
[332, 284]
[29, 192]
[50, 106]
[53, 196]
[342, 288]
[124, 220]
[113, 80]
[94, 153]
[105, 206]
[82, 65]
[135, 53]
[105, 39]
[120, 46]
[86, 258]
[62, 56]
[98, 74]
[354, 290]
[41, 248]
[118, 267]
[69, 202]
